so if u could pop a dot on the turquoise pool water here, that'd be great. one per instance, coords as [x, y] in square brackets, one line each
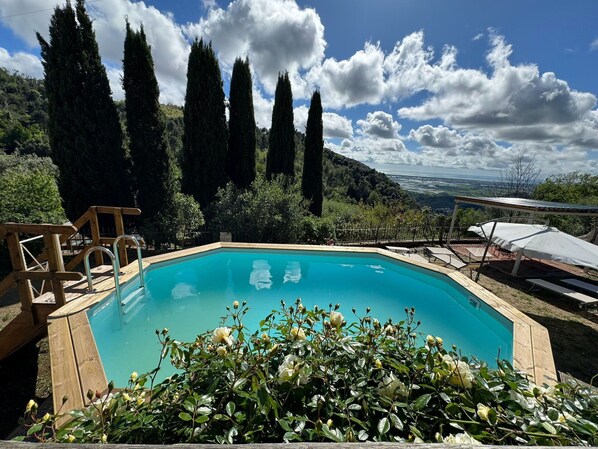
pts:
[189, 295]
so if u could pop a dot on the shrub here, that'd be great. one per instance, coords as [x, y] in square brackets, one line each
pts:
[306, 375]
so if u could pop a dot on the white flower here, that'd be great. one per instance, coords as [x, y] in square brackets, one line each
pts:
[221, 350]
[134, 376]
[31, 405]
[336, 318]
[390, 329]
[390, 385]
[290, 366]
[483, 411]
[461, 375]
[461, 438]
[236, 304]
[222, 334]
[297, 333]
[104, 438]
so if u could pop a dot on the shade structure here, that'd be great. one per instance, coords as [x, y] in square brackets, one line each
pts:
[541, 242]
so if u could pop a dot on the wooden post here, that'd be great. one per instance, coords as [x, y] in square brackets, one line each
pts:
[55, 263]
[95, 235]
[452, 226]
[120, 230]
[18, 264]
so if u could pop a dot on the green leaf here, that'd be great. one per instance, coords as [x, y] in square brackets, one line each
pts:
[285, 425]
[35, 428]
[549, 427]
[333, 435]
[383, 426]
[354, 407]
[422, 401]
[185, 416]
[230, 408]
[362, 435]
[201, 419]
[396, 421]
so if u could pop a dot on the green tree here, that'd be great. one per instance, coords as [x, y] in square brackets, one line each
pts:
[84, 128]
[241, 144]
[311, 182]
[29, 191]
[153, 168]
[205, 133]
[281, 149]
[268, 211]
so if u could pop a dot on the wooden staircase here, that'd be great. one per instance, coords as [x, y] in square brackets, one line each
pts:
[48, 268]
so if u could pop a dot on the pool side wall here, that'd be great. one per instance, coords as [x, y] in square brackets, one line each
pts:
[76, 366]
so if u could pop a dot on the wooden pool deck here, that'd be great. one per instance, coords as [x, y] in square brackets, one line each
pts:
[76, 366]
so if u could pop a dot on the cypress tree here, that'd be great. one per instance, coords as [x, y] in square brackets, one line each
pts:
[84, 128]
[311, 183]
[205, 134]
[152, 165]
[281, 148]
[242, 141]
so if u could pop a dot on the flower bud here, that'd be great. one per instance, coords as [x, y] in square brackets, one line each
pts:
[126, 397]
[46, 418]
[329, 423]
[439, 341]
[297, 333]
[104, 438]
[431, 341]
[221, 350]
[134, 376]
[265, 338]
[31, 406]
[336, 319]
[483, 412]
[378, 363]
[236, 304]
[70, 438]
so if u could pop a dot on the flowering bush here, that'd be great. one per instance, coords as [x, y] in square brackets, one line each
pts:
[306, 375]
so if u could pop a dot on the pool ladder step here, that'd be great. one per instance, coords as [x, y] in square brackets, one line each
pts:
[133, 299]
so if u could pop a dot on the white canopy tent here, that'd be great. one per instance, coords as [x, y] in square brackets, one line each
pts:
[539, 241]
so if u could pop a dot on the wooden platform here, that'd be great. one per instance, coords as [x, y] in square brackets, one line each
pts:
[76, 366]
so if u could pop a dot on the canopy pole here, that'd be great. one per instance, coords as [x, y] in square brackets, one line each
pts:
[453, 219]
[517, 263]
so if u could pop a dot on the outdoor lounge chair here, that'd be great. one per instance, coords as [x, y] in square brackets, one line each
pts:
[592, 288]
[399, 249]
[447, 256]
[584, 299]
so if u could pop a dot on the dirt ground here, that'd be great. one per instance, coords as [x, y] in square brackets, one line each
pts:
[573, 335]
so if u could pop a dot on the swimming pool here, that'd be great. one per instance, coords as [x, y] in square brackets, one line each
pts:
[189, 294]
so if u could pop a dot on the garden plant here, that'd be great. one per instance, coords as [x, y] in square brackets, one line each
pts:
[314, 375]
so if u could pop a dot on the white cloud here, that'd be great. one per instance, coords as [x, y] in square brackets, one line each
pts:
[24, 63]
[335, 126]
[594, 45]
[379, 124]
[275, 35]
[262, 108]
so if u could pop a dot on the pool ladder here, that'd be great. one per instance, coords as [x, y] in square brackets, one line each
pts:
[115, 265]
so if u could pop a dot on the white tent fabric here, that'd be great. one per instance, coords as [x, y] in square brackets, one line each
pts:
[541, 242]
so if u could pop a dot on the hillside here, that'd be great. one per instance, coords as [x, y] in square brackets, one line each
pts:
[23, 119]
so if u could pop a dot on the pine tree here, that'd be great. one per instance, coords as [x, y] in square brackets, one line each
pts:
[205, 137]
[84, 128]
[152, 165]
[242, 141]
[281, 148]
[311, 183]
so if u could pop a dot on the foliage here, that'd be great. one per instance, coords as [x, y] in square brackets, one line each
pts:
[574, 188]
[205, 139]
[152, 164]
[23, 116]
[268, 211]
[311, 181]
[188, 217]
[241, 144]
[317, 230]
[281, 146]
[29, 191]
[306, 375]
[84, 128]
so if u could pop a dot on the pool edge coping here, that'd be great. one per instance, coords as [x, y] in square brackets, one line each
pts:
[80, 369]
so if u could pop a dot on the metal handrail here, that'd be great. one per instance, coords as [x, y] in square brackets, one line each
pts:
[139, 258]
[114, 269]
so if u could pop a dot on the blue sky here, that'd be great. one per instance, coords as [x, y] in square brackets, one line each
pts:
[426, 87]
